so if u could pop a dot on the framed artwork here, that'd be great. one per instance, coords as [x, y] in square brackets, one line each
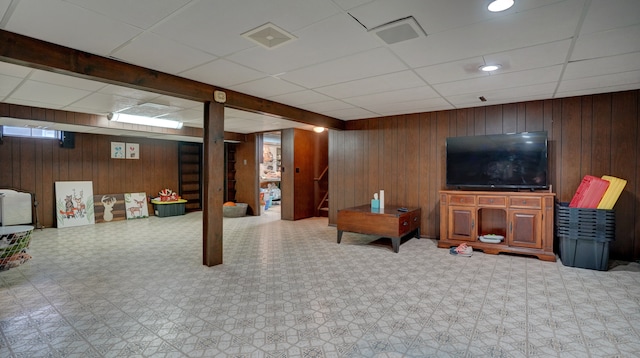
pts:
[133, 151]
[74, 203]
[109, 207]
[117, 150]
[136, 205]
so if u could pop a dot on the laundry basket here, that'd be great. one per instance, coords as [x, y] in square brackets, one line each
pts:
[14, 241]
[235, 211]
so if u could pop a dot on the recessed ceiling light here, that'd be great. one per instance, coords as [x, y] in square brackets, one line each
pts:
[490, 68]
[500, 5]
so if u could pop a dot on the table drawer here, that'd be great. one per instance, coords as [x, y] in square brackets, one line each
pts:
[492, 201]
[415, 219]
[404, 225]
[462, 200]
[525, 202]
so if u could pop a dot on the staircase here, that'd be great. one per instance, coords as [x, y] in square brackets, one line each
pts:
[322, 188]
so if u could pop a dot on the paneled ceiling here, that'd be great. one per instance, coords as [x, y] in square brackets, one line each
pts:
[335, 65]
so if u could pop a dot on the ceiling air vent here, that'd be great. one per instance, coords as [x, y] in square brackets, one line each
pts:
[269, 36]
[399, 30]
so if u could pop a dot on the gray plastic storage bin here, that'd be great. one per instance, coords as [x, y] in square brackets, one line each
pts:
[584, 236]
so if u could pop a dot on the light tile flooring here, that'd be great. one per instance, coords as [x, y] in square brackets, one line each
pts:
[286, 289]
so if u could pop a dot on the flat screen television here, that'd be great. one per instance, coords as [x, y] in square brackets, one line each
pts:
[500, 161]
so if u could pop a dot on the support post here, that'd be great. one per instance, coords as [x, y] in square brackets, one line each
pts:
[213, 183]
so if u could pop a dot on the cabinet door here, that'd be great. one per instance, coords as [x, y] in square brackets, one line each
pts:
[525, 229]
[462, 223]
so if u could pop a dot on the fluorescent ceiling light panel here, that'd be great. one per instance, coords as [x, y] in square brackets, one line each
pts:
[150, 110]
[145, 121]
[269, 36]
[399, 30]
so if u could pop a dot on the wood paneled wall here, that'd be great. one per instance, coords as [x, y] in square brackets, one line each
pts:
[405, 155]
[36, 164]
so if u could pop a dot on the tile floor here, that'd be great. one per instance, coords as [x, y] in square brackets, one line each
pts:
[286, 289]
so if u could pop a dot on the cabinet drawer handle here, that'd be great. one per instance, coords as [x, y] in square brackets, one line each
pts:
[405, 223]
[415, 219]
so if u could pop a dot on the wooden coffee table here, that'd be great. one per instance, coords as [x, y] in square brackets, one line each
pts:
[386, 222]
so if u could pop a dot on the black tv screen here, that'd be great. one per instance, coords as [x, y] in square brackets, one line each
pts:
[500, 161]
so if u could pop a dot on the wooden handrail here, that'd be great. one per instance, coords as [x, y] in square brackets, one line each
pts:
[324, 198]
[322, 174]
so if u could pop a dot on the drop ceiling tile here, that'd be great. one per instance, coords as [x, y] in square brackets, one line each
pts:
[526, 58]
[139, 13]
[66, 81]
[405, 95]
[322, 107]
[193, 117]
[452, 71]
[350, 4]
[319, 42]
[141, 96]
[158, 53]
[266, 87]
[300, 98]
[100, 103]
[591, 91]
[605, 81]
[370, 63]
[500, 34]
[352, 113]
[602, 66]
[544, 55]
[607, 43]
[69, 25]
[208, 25]
[500, 95]
[223, 73]
[4, 5]
[478, 86]
[607, 15]
[47, 93]
[384, 83]
[31, 103]
[178, 102]
[425, 105]
[9, 69]
[8, 84]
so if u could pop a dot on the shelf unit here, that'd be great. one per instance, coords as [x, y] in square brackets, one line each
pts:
[230, 169]
[525, 219]
[190, 174]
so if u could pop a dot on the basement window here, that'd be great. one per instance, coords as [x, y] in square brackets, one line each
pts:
[10, 131]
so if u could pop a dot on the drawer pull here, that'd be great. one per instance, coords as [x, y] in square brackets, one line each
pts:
[405, 223]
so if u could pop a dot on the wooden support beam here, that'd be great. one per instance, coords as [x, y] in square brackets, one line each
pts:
[27, 51]
[213, 183]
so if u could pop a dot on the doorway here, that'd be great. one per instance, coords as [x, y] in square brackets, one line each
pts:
[270, 173]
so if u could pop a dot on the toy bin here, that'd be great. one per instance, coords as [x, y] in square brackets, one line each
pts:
[168, 208]
[584, 236]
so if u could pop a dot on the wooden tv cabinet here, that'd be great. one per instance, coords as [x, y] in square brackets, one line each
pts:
[525, 219]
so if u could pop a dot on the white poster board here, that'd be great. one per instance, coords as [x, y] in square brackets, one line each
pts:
[74, 203]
